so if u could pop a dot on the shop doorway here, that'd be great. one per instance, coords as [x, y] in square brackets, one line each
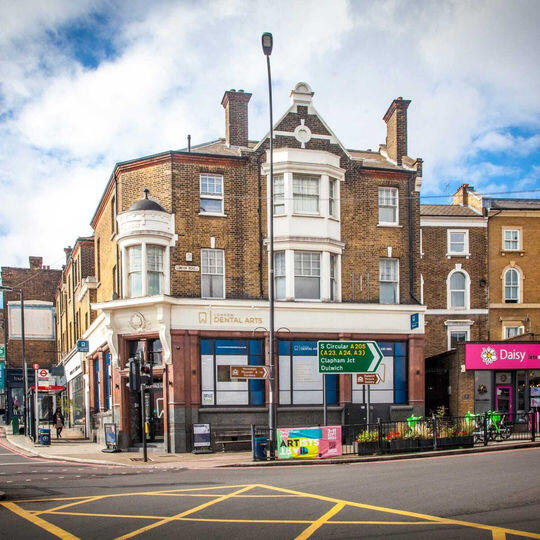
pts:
[504, 400]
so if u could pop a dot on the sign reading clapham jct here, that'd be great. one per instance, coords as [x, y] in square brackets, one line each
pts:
[348, 356]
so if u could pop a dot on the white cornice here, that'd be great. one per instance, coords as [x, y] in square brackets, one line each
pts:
[452, 221]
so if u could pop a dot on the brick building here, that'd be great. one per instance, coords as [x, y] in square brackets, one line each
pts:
[39, 284]
[510, 240]
[74, 317]
[181, 257]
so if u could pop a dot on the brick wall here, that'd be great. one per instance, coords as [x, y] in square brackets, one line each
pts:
[37, 284]
[527, 313]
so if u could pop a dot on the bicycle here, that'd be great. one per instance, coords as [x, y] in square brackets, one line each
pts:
[497, 427]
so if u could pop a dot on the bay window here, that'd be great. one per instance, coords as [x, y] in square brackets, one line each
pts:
[306, 194]
[145, 269]
[279, 195]
[307, 275]
[280, 275]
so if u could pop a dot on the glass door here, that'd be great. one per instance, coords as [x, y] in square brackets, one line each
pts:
[503, 400]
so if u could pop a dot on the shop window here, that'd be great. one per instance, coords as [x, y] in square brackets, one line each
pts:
[279, 270]
[511, 286]
[97, 400]
[300, 382]
[279, 195]
[307, 275]
[212, 273]
[217, 387]
[388, 206]
[305, 194]
[388, 281]
[393, 372]
[107, 382]
[211, 194]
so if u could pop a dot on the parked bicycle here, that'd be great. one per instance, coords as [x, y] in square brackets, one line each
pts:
[498, 427]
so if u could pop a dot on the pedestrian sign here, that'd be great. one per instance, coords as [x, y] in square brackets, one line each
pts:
[348, 356]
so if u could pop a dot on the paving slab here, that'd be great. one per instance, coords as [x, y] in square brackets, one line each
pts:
[84, 451]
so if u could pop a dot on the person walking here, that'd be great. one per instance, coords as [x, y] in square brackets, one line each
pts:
[58, 421]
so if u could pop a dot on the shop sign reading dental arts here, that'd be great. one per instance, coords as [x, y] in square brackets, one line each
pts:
[502, 355]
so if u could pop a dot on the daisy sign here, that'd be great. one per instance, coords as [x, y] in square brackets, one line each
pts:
[502, 355]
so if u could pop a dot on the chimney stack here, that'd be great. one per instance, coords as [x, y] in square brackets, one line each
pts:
[67, 251]
[35, 262]
[396, 129]
[236, 117]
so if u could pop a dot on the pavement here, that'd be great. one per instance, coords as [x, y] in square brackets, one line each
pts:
[76, 449]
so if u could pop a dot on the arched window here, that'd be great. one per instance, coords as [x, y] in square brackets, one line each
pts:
[511, 286]
[458, 286]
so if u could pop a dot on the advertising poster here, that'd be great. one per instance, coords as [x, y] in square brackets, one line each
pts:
[311, 443]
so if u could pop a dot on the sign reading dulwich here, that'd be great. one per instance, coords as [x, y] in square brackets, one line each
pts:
[502, 356]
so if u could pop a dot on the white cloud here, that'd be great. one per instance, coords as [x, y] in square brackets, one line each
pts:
[470, 71]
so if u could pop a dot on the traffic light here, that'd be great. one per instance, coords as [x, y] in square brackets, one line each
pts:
[134, 375]
[146, 374]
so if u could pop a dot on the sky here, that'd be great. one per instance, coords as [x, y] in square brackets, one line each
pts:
[87, 84]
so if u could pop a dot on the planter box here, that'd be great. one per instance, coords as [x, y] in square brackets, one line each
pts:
[424, 445]
[366, 448]
[454, 442]
[401, 445]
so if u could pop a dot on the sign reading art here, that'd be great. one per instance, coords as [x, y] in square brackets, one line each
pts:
[502, 355]
[312, 443]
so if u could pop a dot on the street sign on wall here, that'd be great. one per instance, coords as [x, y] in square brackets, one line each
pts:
[348, 356]
[249, 372]
[367, 378]
[83, 345]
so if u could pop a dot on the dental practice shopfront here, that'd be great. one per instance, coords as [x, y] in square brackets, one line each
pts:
[199, 343]
[506, 375]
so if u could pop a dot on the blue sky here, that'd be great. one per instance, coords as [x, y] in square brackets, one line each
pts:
[86, 84]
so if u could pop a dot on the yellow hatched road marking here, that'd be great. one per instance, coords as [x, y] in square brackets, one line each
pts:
[494, 529]
[321, 521]
[49, 527]
[84, 501]
[185, 513]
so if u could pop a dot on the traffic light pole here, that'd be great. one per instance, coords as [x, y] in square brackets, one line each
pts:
[144, 423]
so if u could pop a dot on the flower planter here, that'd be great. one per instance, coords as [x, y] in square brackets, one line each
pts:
[401, 445]
[424, 445]
[444, 443]
[366, 448]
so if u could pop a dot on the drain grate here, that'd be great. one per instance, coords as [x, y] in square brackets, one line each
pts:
[138, 459]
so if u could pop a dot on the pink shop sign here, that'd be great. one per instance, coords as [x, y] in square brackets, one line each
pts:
[502, 355]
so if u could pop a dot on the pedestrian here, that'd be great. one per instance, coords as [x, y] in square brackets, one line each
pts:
[58, 421]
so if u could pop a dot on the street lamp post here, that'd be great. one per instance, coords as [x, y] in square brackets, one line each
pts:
[25, 373]
[267, 44]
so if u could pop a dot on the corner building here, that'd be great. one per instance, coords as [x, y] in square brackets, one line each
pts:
[181, 255]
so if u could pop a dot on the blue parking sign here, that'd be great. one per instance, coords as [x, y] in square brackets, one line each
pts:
[83, 345]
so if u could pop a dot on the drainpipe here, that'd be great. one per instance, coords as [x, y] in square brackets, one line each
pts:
[259, 209]
[411, 240]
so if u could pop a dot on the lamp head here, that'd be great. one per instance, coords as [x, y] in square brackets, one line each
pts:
[267, 42]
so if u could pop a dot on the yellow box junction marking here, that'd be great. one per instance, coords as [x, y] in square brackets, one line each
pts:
[497, 532]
